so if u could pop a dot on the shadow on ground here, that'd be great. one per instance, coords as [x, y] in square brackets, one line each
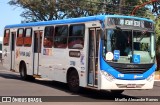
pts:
[85, 95]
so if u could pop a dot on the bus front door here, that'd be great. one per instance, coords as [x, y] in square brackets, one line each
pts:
[93, 56]
[12, 47]
[37, 51]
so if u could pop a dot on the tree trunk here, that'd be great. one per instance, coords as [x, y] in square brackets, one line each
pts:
[121, 6]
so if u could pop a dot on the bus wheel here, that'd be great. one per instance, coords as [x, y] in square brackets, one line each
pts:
[117, 91]
[73, 81]
[23, 72]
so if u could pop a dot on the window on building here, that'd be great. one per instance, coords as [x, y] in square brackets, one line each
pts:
[48, 37]
[6, 37]
[76, 36]
[60, 38]
[28, 37]
[20, 35]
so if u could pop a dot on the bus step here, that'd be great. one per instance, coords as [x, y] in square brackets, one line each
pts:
[36, 76]
[12, 70]
[90, 86]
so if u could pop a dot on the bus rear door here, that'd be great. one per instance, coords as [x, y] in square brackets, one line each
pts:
[13, 37]
[37, 51]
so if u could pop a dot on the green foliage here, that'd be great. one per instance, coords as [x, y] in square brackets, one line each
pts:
[157, 31]
[37, 10]
[157, 26]
[77, 8]
[42, 10]
[149, 15]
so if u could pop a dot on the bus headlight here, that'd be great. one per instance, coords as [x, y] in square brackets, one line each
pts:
[108, 76]
[150, 78]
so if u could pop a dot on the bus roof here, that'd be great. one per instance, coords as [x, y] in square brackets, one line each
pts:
[72, 20]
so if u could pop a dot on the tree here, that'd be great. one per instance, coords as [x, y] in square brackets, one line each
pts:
[38, 10]
[78, 8]
[124, 7]
[157, 21]
[42, 10]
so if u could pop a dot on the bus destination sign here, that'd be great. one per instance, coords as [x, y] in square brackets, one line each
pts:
[130, 22]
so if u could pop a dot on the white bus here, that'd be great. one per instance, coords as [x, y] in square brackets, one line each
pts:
[84, 52]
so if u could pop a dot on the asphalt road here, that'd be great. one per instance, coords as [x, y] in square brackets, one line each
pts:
[12, 85]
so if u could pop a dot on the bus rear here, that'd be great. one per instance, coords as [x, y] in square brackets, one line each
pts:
[127, 54]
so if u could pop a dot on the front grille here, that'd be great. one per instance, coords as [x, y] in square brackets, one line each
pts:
[131, 71]
[130, 68]
[126, 85]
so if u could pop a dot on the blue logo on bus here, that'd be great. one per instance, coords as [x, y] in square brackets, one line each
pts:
[136, 59]
[116, 54]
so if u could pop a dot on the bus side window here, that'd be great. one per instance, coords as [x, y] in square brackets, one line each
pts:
[60, 38]
[28, 37]
[6, 37]
[76, 36]
[48, 37]
[20, 35]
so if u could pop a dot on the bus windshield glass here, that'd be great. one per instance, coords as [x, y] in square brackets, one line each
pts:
[121, 46]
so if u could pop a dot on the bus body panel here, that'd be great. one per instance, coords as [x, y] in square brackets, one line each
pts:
[26, 55]
[53, 66]
[56, 65]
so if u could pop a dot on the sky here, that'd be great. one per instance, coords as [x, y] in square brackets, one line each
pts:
[8, 15]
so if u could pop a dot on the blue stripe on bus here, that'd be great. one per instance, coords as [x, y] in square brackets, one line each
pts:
[64, 21]
[105, 67]
[72, 20]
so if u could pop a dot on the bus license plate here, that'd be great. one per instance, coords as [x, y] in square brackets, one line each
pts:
[131, 85]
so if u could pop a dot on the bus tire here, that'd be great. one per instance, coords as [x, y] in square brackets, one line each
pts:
[73, 81]
[117, 91]
[23, 71]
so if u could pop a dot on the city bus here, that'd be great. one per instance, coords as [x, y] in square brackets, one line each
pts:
[103, 52]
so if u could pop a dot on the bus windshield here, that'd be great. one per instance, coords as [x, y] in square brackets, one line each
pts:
[122, 45]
